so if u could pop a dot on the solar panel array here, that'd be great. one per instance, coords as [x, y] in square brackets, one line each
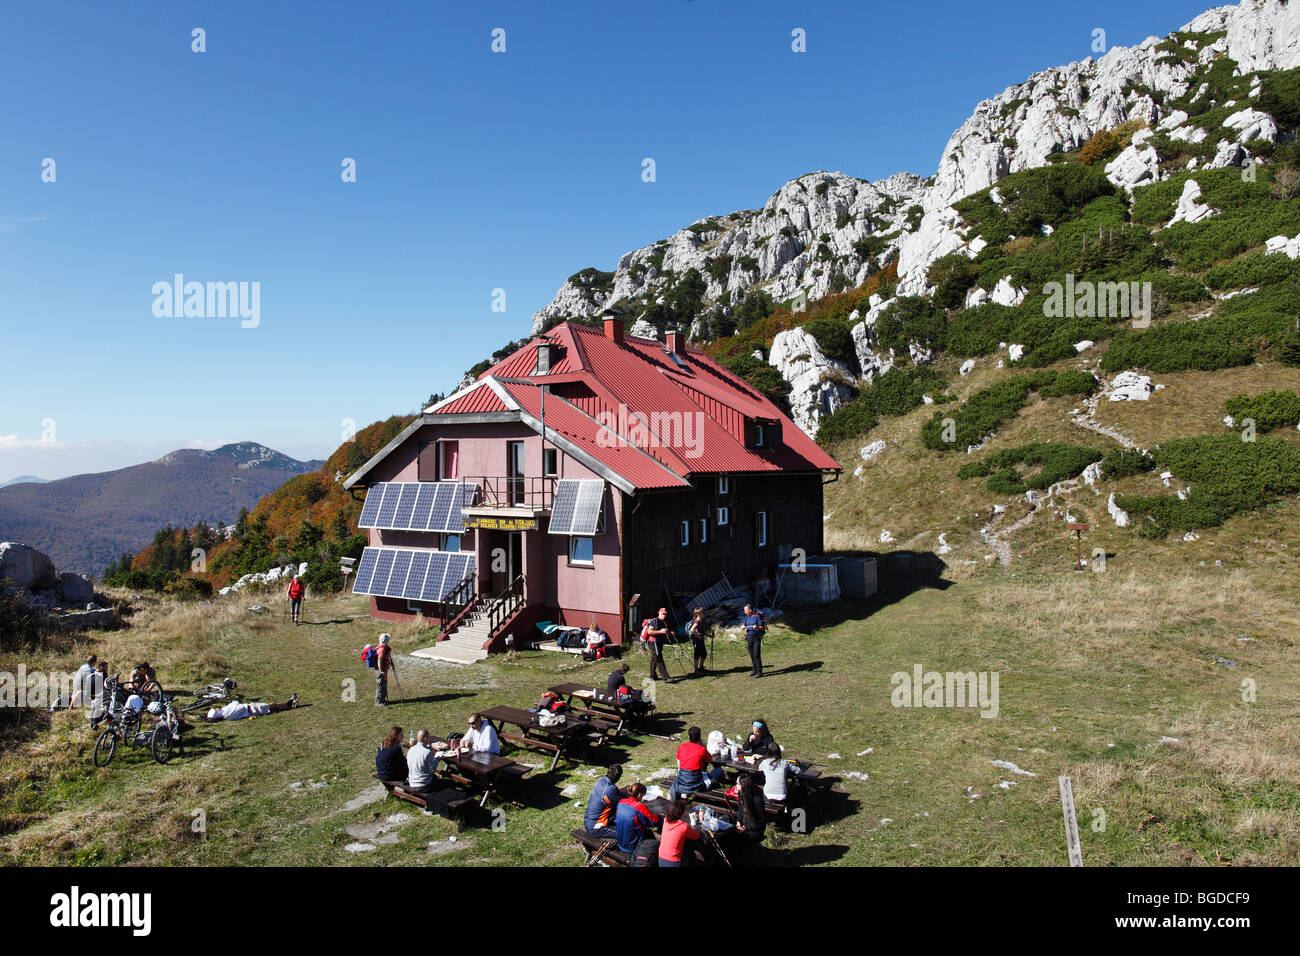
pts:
[411, 573]
[578, 506]
[417, 506]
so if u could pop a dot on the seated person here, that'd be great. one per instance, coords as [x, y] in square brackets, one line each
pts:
[596, 640]
[141, 674]
[759, 739]
[751, 820]
[421, 765]
[602, 805]
[633, 819]
[692, 759]
[481, 737]
[616, 679]
[718, 749]
[775, 770]
[672, 845]
[237, 711]
[390, 762]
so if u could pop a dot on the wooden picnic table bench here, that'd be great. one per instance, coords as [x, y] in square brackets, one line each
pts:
[775, 811]
[600, 850]
[448, 801]
[497, 776]
[555, 741]
[596, 703]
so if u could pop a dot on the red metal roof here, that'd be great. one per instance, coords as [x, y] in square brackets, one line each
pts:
[696, 412]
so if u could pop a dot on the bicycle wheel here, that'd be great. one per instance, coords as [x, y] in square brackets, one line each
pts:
[160, 744]
[150, 692]
[105, 747]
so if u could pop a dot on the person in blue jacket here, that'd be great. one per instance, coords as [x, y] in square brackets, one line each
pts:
[602, 805]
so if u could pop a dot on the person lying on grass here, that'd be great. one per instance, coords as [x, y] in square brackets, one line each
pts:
[238, 711]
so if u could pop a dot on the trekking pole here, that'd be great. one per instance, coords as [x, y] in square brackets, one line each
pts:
[401, 693]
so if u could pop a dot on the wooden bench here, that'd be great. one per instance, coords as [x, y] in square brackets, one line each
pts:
[599, 850]
[448, 802]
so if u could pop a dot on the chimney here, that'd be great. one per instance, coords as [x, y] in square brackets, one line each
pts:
[547, 354]
[676, 342]
[614, 328]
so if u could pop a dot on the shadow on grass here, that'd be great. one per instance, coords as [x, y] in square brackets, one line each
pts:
[337, 620]
[799, 856]
[898, 575]
[427, 699]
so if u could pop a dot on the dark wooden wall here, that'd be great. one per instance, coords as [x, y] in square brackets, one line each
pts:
[653, 554]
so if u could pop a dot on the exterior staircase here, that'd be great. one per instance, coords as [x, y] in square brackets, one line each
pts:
[465, 644]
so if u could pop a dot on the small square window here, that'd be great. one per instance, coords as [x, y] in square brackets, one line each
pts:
[724, 516]
[550, 462]
[704, 531]
[582, 551]
[686, 533]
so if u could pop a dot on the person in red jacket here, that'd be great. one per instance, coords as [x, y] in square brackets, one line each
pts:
[692, 761]
[296, 590]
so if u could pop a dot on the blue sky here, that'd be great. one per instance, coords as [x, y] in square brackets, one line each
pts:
[475, 171]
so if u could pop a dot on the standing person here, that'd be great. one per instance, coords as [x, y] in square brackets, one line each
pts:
[602, 805]
[699, 635]
[390, 762]
[384, 660]
[296, 590]
[672, 845]
[692, 758]
[755, 627]
[656, 633]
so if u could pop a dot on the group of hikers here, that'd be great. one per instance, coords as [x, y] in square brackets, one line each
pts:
[621, 814]
[655, 633]
[418, 765]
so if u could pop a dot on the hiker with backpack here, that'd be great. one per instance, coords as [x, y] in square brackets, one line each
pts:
[655, 632]
[755, 627]
[296, 591]
[701, 631]
[379, 657]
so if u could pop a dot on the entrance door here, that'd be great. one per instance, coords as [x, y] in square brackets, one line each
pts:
[515, 473]
[506, 554]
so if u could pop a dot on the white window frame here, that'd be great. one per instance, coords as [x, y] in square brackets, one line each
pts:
[724, 484]
[761, 517]
[704, 531]
[554, 473]
[760, 435]
[575, 562]
[686, 533]
[724, 517]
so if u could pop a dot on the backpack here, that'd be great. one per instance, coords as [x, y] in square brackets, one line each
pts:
[551, 703]
[645, 627]
[646, 852]
[370, 656]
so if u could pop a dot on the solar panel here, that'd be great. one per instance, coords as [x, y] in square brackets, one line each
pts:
[415, 580]
[564, 506]
[441, 507]
[433, 583]
[586, 514]
[382, 568]
[392, 494]
[370, 511]
[396, 585]
[461, 499]
[428, 490]
[365, 570]
[405, 505]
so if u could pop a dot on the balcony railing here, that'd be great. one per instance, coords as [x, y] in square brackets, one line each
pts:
[499, 491]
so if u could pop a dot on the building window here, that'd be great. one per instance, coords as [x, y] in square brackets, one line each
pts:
[724, 484]
[686, 533]
[550, 462]
[758, 435]
[724, 516]
[704, 531]
[760, 529]
[449, 456]
[451, 542]
[582, 551]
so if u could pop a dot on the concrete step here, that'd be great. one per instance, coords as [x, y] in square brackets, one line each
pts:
[452, 653]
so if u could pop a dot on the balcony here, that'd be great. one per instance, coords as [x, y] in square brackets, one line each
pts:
[509, 503]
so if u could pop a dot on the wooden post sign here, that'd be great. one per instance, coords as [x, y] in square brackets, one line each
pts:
[1071, 823]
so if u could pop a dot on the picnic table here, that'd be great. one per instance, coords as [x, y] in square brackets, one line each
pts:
[555, 740]
[479, 769]
[597, 703]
